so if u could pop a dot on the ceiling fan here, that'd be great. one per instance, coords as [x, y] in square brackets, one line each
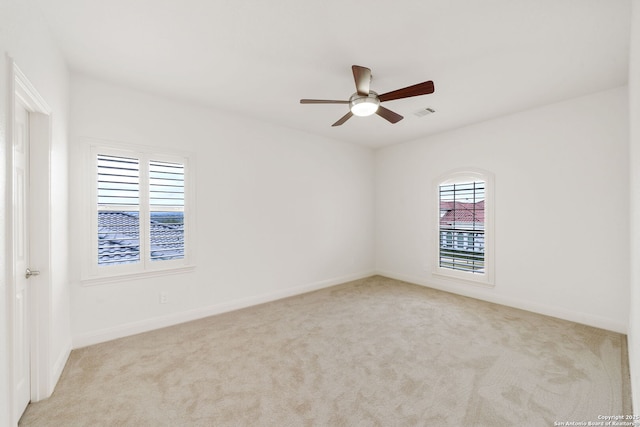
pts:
[365, 102]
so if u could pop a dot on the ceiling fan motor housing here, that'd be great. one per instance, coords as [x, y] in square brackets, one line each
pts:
[361, 105]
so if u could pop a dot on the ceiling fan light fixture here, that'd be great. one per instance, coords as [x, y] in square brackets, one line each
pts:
[364, 106]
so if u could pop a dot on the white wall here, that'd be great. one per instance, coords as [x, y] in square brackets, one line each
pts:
[278, 211]
[24, 38]
[561, 207]
[634, 111]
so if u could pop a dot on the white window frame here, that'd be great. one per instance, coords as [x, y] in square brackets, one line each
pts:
[456, 177]
[95, 274]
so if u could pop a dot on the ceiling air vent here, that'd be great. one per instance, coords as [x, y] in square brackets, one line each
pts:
[424, 112]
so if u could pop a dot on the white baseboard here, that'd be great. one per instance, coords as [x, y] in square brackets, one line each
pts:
[49, 376]
[120, 331]
[547, 310]
[59, 365]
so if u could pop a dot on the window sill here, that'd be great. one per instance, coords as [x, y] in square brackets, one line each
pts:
[100, 280]
[465, 278]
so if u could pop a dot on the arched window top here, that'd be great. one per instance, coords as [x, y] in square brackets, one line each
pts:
[465, 175]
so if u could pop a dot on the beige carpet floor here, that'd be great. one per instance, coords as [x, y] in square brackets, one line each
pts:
[374, 352]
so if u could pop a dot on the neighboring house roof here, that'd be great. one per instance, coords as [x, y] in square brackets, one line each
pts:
[461, 212]
[119, 239]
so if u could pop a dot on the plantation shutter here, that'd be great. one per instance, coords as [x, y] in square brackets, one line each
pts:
[166, 206]
[118, 210]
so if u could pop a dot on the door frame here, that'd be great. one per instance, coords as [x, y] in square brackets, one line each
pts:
[39, 310]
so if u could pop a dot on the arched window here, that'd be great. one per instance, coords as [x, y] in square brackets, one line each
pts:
[465, 226]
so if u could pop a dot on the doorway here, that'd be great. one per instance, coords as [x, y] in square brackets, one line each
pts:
[21, 256]
[29, 249]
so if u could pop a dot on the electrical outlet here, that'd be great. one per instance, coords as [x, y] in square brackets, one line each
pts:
[164, 298]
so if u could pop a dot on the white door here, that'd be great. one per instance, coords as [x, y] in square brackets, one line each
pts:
[21, 338]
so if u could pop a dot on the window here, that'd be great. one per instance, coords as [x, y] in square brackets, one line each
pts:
[118, 231]
[140, 213]
[166, 205]
[464, 227]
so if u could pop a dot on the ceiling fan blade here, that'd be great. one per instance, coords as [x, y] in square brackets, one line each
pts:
[424, 88]
[389, 115]
[322, 101]
[362, 76]
[343, 119]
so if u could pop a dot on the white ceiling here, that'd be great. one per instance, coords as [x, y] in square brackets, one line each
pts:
[257, 58]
